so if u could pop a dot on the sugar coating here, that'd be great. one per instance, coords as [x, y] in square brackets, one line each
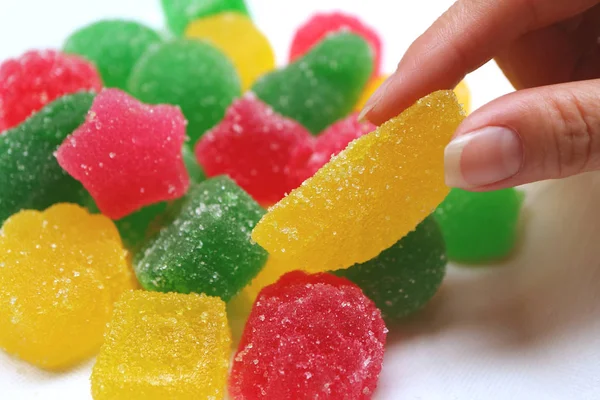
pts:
[191, 74]
[36, 78]
[236, 35]
[403, 278]
[114, 46]
[30, 177]
[370, 195]
[207, 246]
[369, 90]
[127, 154]
[179, 13]
[60, 272]
[480, 227]
[309, 337]
[463, 93]
[253, 145]
[322, 86]
[320, 25]
[164, 346]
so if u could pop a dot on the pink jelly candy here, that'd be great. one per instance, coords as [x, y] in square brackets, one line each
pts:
[36, 78]
[307, 160]
[127, 154]
[253, 145]
[321, 24]
[309, 337]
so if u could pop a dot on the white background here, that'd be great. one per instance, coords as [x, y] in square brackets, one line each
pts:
[526, 329]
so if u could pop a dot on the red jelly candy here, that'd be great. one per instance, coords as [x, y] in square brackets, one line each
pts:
[36, 78]
[306, 161]
[127, 154]
[309, 337]
[253, 145]
[321, 24]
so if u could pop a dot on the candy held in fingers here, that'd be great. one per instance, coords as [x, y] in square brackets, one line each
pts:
[207, 247]
[179, 13]
[307, 337]
[30, 177]
[322, 86]
[164, 346]
[479, 226]
[60, 272]
[127, 154]
[463, 93]
[113, 46]
[253, 145]
[370, 195]
[369, 90]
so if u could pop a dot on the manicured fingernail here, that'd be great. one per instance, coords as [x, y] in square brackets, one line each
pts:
[373, 100]
[483, 157]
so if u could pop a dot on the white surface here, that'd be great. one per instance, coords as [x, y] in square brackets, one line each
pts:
[529, 329]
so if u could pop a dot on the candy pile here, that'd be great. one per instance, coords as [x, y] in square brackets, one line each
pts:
[134, 172]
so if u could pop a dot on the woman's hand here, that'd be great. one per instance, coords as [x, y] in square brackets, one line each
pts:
[549, 50]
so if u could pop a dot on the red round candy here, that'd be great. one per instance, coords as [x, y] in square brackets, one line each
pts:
[127, 154]
[36, 78]
[253, 145]
[308, 337]
[321, 24]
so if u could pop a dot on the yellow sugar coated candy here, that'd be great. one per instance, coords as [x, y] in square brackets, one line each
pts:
[369, 196]
[61, 270]
[464, 96]
[164, 346]
[236, 35]
[370, 88]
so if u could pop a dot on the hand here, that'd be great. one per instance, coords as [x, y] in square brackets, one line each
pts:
[549, 127]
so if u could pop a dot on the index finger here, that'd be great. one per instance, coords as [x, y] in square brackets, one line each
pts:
[464, 38]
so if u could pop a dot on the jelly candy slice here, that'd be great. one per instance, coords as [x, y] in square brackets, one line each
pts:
[60, 272]
[369, 90]
[207, 247]
[236, 35]
[191, 74]
[36, 78]
[322, 86]
[463, 94]
[179, 13]
[309, 337]
[127, 154]
[320, 25]
[479, 227]
[30, 177]
[253, 146]
[403, 278]
[164, 346]
[113, 46]
[370, 195]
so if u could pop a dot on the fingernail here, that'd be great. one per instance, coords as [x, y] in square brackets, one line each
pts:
[373, 100]
[482, 157]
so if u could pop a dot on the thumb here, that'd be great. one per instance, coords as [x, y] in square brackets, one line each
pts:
[526, 136]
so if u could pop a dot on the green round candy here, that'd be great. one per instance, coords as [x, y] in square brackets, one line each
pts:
[191, 74]
[114, 46]
[191, 164]
[179, 13]
[403, 278]
[30, 177]
[207, 248]
[479, 227]
[324, 85]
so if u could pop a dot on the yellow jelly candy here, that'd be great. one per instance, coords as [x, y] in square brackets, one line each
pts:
[369, 196]
[60, 272]
[164, 346]
[236, 36]
[371, 87]
[464, 96]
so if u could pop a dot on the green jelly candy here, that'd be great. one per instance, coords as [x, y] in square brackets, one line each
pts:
[479, 227]
[30, 177]
[191, 74]
[191, 164]
[207, 247]
[179, 13]
[114, 46]
[403, 278]
[324, 85]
